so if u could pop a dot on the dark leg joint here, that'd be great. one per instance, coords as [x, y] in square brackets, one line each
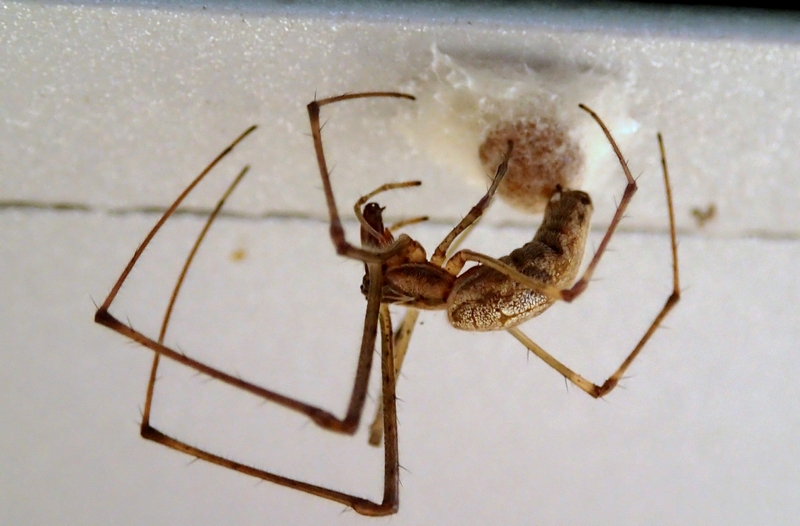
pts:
[326, 420]
[570, 294]
[604, 389]
[337, 235]
[102, 316]
[150, 433]
[365, 507]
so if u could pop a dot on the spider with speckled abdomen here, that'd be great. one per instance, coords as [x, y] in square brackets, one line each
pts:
[495, 294]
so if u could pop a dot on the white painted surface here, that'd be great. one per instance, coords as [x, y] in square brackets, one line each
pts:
[119, 107]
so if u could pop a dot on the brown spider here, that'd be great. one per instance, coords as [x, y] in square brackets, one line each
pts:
[492, 295]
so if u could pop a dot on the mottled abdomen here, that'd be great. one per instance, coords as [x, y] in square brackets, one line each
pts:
[484, 299]
[475, 307]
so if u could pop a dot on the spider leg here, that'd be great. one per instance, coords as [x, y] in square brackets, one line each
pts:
[405, 222]
[579, 286]
[458, 260]
[391, 461]
[595, 390]
[391, 472]
[343, 247]
[103, 309]
[323, 418]
[440, 254]
[402, 337]
[391, 491]
[151, 384]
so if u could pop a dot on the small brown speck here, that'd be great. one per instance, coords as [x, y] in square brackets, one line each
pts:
[238, 255]
[704, 216]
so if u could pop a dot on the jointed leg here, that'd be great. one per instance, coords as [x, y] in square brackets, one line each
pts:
[405, 222]
[601, 390]
[390, 501]
[580, 285]
[391, 466]
[458, 260]
[361, 505]
[402, 337]
[323, 418]
[440, 254]
[343, 247]
[149, 432]
[148, 401]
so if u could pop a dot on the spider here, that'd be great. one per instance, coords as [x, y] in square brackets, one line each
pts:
[494, 294]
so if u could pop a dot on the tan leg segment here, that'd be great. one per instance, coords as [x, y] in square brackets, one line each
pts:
[595, 390]
[402, 337]
[440, 254]
[630, 189]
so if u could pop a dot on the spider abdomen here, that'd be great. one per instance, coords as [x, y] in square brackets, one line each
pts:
[474, 306]
[484, 299]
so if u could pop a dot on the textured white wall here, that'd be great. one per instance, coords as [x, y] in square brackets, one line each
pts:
[112, 109]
